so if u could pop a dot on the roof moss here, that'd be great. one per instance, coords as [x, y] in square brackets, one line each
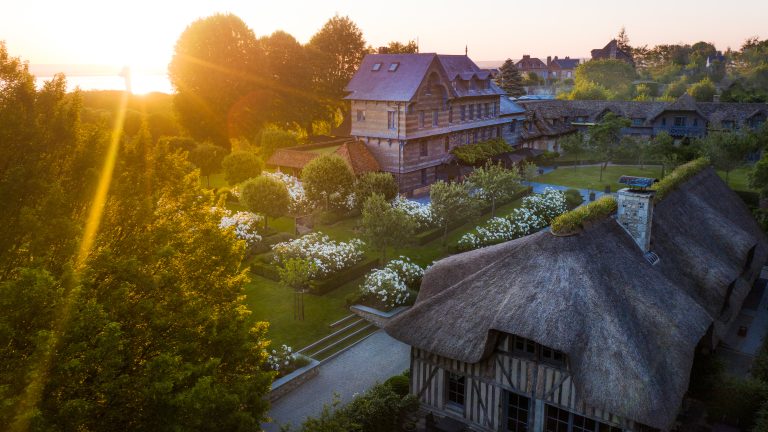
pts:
[574, 220]
[678, 176]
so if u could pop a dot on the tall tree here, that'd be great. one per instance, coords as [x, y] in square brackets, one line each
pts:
[339, 48]
[509, 79]
[622, 41]
[727, 150]
[219, 78]
[208, 158]
[266, 196]
[662, 148]
[494, 183]
[614, 75]
[384, 226]
[573, 145]
[396, 47]
[325, 177]
[604, 138]
[241, 166]
[451, 202]
[374, 183]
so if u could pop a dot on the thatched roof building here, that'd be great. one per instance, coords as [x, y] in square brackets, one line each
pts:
[629, 328]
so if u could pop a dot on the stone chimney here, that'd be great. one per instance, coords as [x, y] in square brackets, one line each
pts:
[383, 50]
[549, 60]
[635, 215]
[526, 56]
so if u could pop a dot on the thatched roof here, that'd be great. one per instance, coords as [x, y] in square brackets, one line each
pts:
[629, 329]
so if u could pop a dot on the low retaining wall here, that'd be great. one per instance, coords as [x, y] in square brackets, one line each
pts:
[375, 316]
[288, 383]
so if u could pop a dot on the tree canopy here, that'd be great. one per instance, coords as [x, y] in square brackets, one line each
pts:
[266, 196]
[338, 47]
[509, 79]
[208, 158]
[451, 202]
[384, 226]
[240, 166]
[613, 75]
[326, 177]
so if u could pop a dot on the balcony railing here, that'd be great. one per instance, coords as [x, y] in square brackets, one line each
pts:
[683, 131]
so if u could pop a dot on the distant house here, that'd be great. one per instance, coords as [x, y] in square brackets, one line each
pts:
[612, 51]
[411, 110]
[532, 65]
[293, 159]
[589, 332]
[562, 69]
[547, 120]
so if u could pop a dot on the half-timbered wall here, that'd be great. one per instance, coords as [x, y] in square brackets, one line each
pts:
[486, 382]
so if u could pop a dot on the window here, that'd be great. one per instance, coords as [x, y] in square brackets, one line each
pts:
[695, 121]
[424, 182]
[360, 115]
[376, 67]
[447, 143]
[393, 67]
[554, 356]
[679, 121]
[493, 112]
[517, 412]
[423, 148]
[487, 108]
[391, 120]
[421, 119]
[471, 111]
[471, 85]
[663, 121]
[583, 424]
[556, 419]
[463, 112]
[512, 126]
[637, 121]
[523, 345]
[450, 114]
[456, 383]
[435, 118]
[561, 420]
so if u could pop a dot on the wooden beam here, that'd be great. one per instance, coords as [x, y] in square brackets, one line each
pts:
[428, 382]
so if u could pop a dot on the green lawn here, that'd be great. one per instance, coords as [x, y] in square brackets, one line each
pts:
[588, 177]
[270, 301]
[738, 179]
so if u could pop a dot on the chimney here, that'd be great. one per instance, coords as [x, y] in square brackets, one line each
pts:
[549, 60]
[526, 56]
[383, 50]
[635, 215]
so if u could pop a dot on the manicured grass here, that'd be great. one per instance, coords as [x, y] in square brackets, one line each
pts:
[738, 179]
[216, 181]
[270, 301]
[588, 177]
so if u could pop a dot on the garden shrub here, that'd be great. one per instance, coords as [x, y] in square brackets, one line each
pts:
[573, 198]
[736, 401]
[399, 384]
[391, 286]
[284, 361]
[574, 220]
[327, 255]
[323, 286]
[479, 153]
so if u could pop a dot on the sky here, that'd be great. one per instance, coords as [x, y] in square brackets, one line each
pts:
[142, 33]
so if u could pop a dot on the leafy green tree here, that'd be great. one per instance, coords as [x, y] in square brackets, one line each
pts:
[622, 41]
[384, 226]
[727, 150]
[677, 88]
[662, 148]
[604, 138]
[208, 158]
[218, 75]
[573, 198]
[340, 47]
[587, 90]
[532, 79]
[573, 145]
[495, 183]
[327, 176]
[296, 274]
[266, 196]
[396, 47]
[178, 143]
[528, 170]
[240, 166]
[509, 79]
[616, 76]
[703, 91]
[375, 183]
[273, 139]
[451, 202]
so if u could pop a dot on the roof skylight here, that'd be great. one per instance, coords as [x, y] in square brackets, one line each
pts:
[376, 67]
[393, 66]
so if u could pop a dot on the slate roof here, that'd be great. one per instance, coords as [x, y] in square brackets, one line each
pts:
[402, 84]
[509, 107]
[629, 329]
[611, 51]
[566, 63]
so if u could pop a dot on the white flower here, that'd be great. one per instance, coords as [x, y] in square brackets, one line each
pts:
[245, 225]
[328, 256]
[421, 213]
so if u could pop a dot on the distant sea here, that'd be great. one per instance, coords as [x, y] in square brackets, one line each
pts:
[88, 77]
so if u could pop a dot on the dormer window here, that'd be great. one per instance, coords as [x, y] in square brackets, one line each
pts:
[376, 67]
[393, 67]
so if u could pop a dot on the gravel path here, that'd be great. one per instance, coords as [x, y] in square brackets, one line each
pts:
[375, 359]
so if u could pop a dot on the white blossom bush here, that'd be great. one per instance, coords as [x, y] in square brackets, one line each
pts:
[299, 205]
[421, 213]
[536, 212]
[283, 360]
[386, 287]
[328, 256]
[408, 272]
[245, 225]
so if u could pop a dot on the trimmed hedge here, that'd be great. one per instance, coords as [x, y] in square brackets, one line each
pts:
[574, 220]
[477, 153]
[678, 176]
[334, 281]
[268, 271]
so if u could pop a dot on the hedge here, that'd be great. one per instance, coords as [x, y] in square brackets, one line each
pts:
[574, 220]
[678, 176]
[338, 279]
[268, 271]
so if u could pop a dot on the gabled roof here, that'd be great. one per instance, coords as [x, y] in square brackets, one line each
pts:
[566, 63]
[508, 107]
[355, 153]
[611, 51]
[628, 328]
[528, 62]
[402, 84]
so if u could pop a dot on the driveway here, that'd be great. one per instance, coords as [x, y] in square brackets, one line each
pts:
[352, 372]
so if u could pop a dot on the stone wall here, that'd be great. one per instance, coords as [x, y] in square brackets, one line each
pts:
[635, 214]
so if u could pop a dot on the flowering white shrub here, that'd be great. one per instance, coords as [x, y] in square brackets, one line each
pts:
[235, 191]
[386, 286]
[421, 213]
[327, 256]
[245, 224]
[299, 205]
[536, 213]
[406, 270]
[284, 360]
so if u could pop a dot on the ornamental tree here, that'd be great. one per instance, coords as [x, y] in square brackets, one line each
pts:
[384, 226]
[494, 183]
[573, 145]
[604, 138]
[375, 183]
[241, 166]
[266, 196]
[451, 202]
[326, 176]
[208, 158]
